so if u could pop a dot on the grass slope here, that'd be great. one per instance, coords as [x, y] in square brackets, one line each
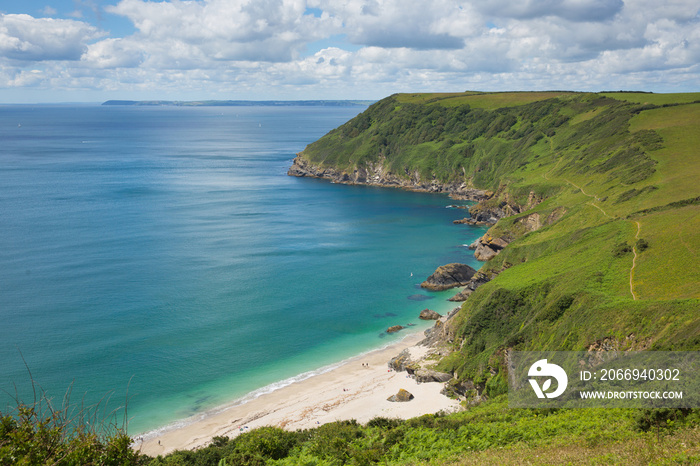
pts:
[619, 266]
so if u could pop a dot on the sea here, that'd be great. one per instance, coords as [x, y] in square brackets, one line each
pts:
[157, 264]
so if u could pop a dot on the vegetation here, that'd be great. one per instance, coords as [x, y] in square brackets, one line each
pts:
[612, 180]
[42, 433]
[489, 433]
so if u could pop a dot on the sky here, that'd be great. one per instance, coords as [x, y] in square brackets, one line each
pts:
[96, 50]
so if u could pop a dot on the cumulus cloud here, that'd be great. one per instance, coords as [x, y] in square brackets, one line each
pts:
[322, 48]
[571, 10]
[223, 30]
[25, 38]
[399, 23]
[113, 53]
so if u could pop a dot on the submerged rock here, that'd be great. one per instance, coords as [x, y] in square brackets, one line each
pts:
[419, 297]
[449, 276]
[401, 396]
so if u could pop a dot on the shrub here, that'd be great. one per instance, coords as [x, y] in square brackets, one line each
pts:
[642, 245]
[384, 422]
[254, 447]
[621, 249]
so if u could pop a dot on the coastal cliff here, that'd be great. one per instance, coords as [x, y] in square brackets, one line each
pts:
[376, 174]
[568, 184]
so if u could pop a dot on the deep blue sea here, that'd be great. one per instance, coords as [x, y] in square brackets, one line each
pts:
[165, 252]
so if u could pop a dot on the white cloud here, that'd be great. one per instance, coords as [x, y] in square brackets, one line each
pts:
[113, 53]
[28, 78]
[25, 38]
[223, 30]
[262, 48]
[48, 11]
[571, 10]
[400, 23]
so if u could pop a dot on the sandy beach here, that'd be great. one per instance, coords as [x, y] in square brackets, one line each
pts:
[356, 390]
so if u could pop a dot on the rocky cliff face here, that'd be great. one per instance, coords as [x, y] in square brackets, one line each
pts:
[487, 247]
[376, 174]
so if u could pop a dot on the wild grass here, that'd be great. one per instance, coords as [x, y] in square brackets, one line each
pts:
[668, 267]
[44, 432]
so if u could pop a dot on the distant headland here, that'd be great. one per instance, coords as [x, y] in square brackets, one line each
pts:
[243, 103]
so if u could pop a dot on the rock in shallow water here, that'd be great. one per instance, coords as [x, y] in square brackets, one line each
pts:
[449, 276]
[429, 314]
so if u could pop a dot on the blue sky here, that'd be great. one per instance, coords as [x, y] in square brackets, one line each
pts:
[94, 50]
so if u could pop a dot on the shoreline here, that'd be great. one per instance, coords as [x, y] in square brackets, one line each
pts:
[356, 388]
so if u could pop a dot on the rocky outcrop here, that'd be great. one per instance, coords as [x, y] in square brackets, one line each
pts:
[402, 396]
[476, 281]
[531, 222]
[449, 276]
[429, 375]
[471, 221]
[535, 221]
[376, 174]
[440, 332]
[429, 314]
[456, 387]
[484, 214]
[394, 328]
[400, 362]
[488, 247]
[491, 211]
[629, 343]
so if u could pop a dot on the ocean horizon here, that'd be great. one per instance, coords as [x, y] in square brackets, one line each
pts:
[161, 255]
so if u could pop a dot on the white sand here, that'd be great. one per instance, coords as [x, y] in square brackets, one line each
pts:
[351, 391]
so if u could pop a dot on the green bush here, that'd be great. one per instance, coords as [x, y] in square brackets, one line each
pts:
[621, 249]
[257, 446]
[641, 245]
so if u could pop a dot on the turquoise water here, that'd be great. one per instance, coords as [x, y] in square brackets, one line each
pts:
[164, 250]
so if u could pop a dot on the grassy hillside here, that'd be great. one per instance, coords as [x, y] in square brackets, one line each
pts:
[619, 265]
